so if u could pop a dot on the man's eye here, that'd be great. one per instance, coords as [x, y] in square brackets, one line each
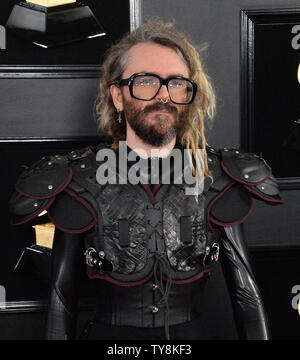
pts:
[146, 82]
[176, 83]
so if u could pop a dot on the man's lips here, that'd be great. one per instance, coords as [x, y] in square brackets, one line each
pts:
[164, 112]
[164, 109]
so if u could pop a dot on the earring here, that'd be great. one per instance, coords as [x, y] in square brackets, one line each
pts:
[119, 116]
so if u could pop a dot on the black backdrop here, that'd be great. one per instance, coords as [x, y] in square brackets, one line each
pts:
[45, 108]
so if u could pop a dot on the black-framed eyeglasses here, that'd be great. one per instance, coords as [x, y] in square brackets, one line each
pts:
[145, 86]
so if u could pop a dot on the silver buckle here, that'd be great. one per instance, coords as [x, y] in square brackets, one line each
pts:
[89, 259]
[215, 255]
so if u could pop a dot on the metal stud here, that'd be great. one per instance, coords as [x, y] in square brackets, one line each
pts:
[237, 152]
[49, 163]
[132, 244]
[210, 159]
[82, 166]
[262, 187]
[101, 254]
[154, 309]
[154, 287]
[35, 204]
[246, 176]
[50, 187]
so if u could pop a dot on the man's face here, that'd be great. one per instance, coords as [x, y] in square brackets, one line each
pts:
[155, 122]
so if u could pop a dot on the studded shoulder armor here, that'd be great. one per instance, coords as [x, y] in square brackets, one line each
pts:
[238, 177]
[50, 185]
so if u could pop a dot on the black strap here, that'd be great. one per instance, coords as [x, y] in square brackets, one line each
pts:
[124, 233]
[185, 229]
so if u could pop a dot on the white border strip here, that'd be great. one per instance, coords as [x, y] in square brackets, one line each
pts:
[135, 13]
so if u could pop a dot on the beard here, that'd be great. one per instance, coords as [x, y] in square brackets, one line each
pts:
[156, 129]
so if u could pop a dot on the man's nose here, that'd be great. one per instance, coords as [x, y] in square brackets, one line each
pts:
[163, 93]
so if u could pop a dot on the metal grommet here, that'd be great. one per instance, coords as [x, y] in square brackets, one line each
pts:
[101, 254]
[154, 309]
[154, 287]
[132, 245]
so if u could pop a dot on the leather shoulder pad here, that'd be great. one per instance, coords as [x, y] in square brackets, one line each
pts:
[220, 178]
[24, 209]
[45, 186]
[267, 190]
[245, 168]
[45, 178]
[230, 207]
[238, 177]
[71, 213]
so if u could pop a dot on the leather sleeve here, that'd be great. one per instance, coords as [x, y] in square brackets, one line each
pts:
[67, 265]
[249, 313]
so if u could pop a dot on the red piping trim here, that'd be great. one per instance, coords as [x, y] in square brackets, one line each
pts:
[52, 194]
[140, 282]
[271, 201]
[35, 216]
[84, 203]
[189, 280]
[70, 231]
[243, 181]
[209, 217]
[214, 220]
[156, 188]
[150, 193]
[121, 283]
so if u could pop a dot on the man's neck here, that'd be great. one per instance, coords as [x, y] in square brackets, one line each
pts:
[145, 150]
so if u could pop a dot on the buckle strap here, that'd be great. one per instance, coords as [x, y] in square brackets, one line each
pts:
[211, 254]
[97, 259]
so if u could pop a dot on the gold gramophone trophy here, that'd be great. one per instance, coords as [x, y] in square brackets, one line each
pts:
[49, 23]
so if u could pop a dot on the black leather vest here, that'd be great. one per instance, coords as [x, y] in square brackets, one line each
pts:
[135, 236]
[141, 232]
[139, 235]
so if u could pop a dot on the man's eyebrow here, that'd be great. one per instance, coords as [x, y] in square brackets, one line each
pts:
[164, 77]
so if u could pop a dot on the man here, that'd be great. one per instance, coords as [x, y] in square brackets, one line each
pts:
[150, 246]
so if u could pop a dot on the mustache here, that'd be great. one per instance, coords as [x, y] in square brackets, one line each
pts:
[160, 106]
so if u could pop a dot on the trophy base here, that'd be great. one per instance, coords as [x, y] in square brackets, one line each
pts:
[53, 26]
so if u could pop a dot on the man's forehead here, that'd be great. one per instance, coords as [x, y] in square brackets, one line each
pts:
[154, 58]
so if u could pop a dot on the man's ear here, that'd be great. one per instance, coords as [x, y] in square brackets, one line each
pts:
[117, 97]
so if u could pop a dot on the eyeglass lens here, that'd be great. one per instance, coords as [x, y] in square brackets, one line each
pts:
[145, 87]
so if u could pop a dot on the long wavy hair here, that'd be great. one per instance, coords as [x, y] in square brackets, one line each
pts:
[203, 107]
